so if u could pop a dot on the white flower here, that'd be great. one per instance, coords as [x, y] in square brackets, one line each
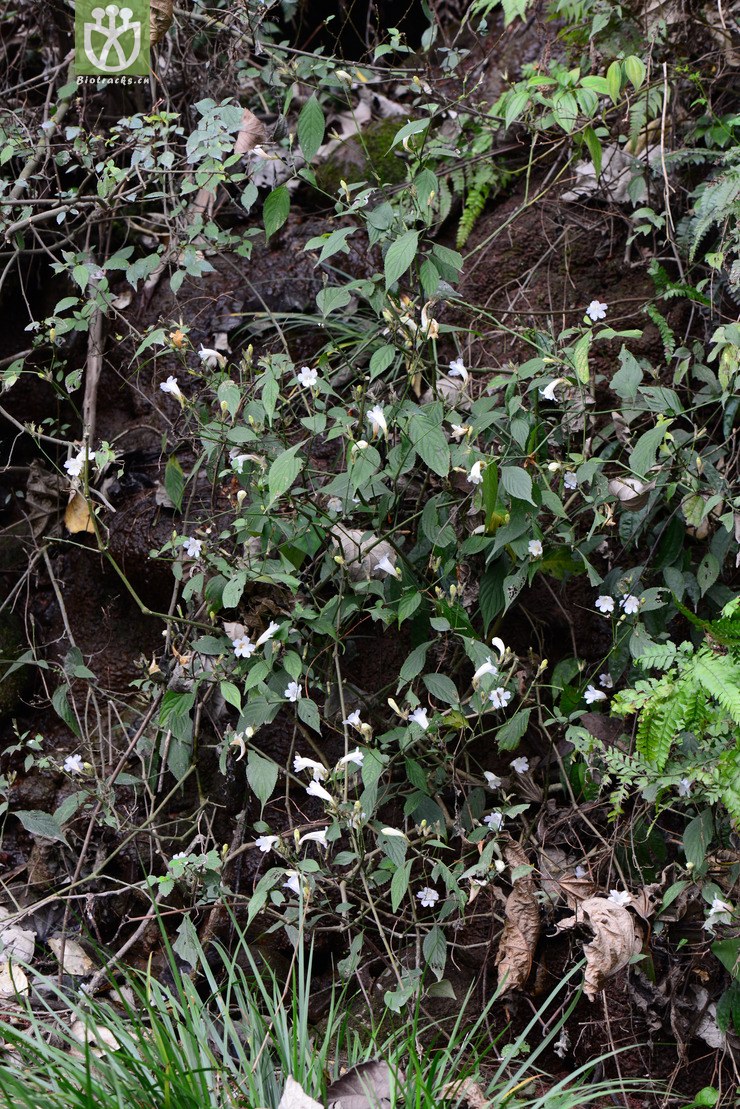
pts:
[75, 466]
[606, 681]
[170, 386]
[318, 769]
[684, 787]
[548, 393]
[293, 692]
[719, 913]
[267, 634]
[475, 477]
[520, 765]
[492, 780]
[593, 694]
[308, 377]
[385, 566]
[393, 832]
[459, 431]
[596, 310]
[376, 416]
[315, 837]
[266, 843]
[485, 668]
[315, 789]
[193, 547]
[630, 604]
[428, 897]
[211, 358]
[570, 480]
[499, 645]
[73, 764]
[243, 647]
[620, 897]
[419, 716]
[499, 697]
[353, 720]
[356, 756]
[535, 548]
[334, 504]
[580, 872]
[293, 882]
[605, 604]
[457, 369]
[494, 820]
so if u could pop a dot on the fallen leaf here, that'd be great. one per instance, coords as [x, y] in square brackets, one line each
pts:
[123, 299]
[77, 516]
[631, 492]
[16, 942]
[520, 935]
[76, 960]
[252, 132]
[367, 1086]
[160, 19]
[615, 940]
[465, 1088]
[361, 551]
[12, 980]
[295, 1097]
[97, 1037]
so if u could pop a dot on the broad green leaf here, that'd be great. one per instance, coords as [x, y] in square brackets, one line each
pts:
[646, 448]
[614, 81]
[517, 483]
[381, 360]
[231, 695]
[233, 589]
[594, 148]
[635, 70]
[229, 397]
[283, 472]
[174, 482]
[516, 103]
[442, 688]
[696, 838]
[628, 378]
[400, 885]
[430, 443]
[262, 775]
[311, 128]
[308, 712]
[41, 824]
[580, 357]
[399, 256]
[415, 127]
[413, 665]
[275, 210]
[331, 298]
[434, 949]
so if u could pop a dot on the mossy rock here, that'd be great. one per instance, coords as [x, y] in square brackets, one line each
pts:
[12, 646]
[366, 156]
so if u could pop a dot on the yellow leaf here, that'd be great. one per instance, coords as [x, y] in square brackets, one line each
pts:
[77, 515]
[160, 18]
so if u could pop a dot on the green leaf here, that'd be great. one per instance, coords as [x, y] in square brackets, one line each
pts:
[697, 837]
[635, 70]
[491, 599]
[331, 298]
[430, 443]
[399, 256]
[594, 148]
[174, 482]
[728, 953]
[311, 128]
[628, 378]
[509, 734]
[262, 775]
[308, 712]
[580, 357]
[42, 824]
[231, 695]
[442, 688]
[642, 457]
[516, 103]
[614, 81]
[61, 705]
[435, 951]
[275, 210]
[400, 885]
[517, 483]
[233, 589]
[229, 397]
[381, 360]
[283, 472]
[413, 665]
[415, 127]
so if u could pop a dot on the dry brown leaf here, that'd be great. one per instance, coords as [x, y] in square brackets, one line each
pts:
[96, 1037]
[615, 940]
[519, 937]
[12, 980]
[77, 516]
[366, 1086]
[362, 552]
[16, 942]
[631, 492]
[160, 19]
[467, 1089]
[76, 960]
[252, 132]
[295, 1097]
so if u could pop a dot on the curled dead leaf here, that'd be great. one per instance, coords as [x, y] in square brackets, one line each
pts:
[76, 960]
[77, 516]
[252, 133]
[631, 492]
[160, 19]
[362, 552]
[13, 980]
[295, 1097]
[366, 1086]
[615, 940]
[522, 926]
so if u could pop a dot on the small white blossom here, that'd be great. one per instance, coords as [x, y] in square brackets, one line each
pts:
[376, 416]
[487, 667]
[459, 431]
[596, 310]
[494, 820]
[267, 634]
[73, 764]
[419, 717]
[170, 386]
[211, 358]
[492, 780]
[193, 547]
[308, 377]
[606, 681]
[630, 604]
[318, 769]
[315, 837]
[266, 843]
[719, 913]
[548, 393]
[580, 872]
[353, 720]
[386, 566]
[620, 897]
[357, 757]
[499, 697]
[293, 882]
[605, 604]
[293, 692]
[520, 765]
[335, 505]
[315, 789]
[457, 369]
[475, 477]
[243, 647]
[499, 645]
[75, 466]
[593, 694]
[570, 480]
[684, 787]
[535, 548]
[428, 897]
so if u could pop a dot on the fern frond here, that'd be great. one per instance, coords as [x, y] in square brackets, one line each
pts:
[475, 202]
[666, 334]
[719, 675]
[662, 719]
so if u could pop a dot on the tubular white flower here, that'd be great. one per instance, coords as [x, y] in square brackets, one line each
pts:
[376, 416]
[293, 882]
[629, 604]
[620, 897]
[315, 837]
[535, 548]
[357, 757]
[457, 369]
[386, 566]
[267, 634]
[315, 789]
[428, 897]
[492, 780]
[308, 377]
[211, 358]
[193, 547]
[475, 477]
[548, 393]
[353, 720]
[486, 668]
[170, 386]
[500, 646]
[494, 820]
[605, 604]
[266, 843]
[684, 787]
[570, 480]
[243, 647]
[499, 697]
[592, 695]
[318, 769]
[73, 764]
[596, 310]
[420, 718]
[293, 692]
[520, 765]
